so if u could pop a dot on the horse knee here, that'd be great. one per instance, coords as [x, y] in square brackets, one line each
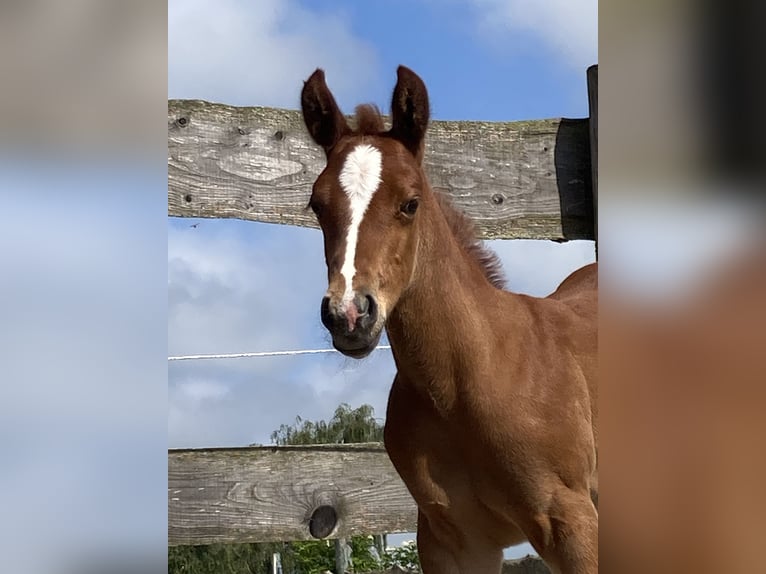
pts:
[572, 545]
[435, 556]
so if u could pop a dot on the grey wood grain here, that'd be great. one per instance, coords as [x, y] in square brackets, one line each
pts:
[261, 494]
[526, 179]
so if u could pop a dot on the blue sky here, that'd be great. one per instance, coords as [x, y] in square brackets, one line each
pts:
[238, 286]
[477, 73]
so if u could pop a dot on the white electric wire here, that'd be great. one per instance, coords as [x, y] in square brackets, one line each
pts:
[260, 354]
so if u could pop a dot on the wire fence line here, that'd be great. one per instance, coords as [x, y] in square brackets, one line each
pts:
[261, 354]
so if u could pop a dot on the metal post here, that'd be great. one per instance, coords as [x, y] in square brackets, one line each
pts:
[342, 556]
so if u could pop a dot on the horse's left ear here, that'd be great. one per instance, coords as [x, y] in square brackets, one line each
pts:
[323, 118]
[410, 111]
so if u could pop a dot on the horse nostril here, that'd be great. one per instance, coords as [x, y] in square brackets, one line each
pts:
[324, 312]
[366, 309]
[362, 305]
[372, 307]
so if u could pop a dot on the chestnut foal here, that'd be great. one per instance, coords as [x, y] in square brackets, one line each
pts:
[491, 419]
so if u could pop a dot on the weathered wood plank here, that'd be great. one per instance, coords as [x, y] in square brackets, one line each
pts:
[528, 179]
[262, 494]
[592, 76]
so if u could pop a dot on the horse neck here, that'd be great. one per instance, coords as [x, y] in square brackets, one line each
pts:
[442, 326]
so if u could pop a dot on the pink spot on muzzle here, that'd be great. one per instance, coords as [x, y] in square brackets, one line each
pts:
[352, 314]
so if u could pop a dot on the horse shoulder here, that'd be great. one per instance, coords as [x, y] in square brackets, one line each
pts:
[414, 440]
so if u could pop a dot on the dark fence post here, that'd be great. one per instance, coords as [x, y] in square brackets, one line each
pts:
[592, 76]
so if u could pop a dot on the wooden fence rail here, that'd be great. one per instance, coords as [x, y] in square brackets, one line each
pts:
[265, 494]
[278, 493]
[528, 179]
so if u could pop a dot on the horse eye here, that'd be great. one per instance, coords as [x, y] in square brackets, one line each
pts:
[410, 207]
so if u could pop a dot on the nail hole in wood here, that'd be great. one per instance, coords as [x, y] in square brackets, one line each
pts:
[497, 199]
[182, 122]
[323, 521]
[279, 136]
[187, 198]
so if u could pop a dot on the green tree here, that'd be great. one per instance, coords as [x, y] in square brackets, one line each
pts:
[347, 426]
[405, 557]
[221, 558]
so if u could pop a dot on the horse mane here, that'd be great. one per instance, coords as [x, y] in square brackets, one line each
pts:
[369, 121]
[464, 231]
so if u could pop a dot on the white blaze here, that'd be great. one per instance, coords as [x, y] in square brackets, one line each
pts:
[359, 179]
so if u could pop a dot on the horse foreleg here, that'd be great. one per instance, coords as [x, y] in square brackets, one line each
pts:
[453, 554]
[567, 534]
[480, 559]
[435, 556]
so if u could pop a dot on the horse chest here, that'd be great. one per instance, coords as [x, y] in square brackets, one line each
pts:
[418, 441]
[448, 488]
[438, 465]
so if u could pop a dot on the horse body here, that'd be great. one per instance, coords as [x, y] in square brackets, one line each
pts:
[491, 420]
[489, 430]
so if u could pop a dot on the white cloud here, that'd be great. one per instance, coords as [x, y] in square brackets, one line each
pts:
[243, 52]
[227, 295]
[568, 27]
[203, 390]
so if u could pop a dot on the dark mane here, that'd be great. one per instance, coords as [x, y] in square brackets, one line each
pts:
[369, 121]
[463, 230]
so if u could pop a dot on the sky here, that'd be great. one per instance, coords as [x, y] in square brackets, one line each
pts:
[81, 407]
[237, 286]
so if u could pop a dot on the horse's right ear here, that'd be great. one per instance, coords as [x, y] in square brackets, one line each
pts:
[323, 118]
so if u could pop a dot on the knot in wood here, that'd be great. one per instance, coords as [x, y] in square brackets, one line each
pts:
[323, 521]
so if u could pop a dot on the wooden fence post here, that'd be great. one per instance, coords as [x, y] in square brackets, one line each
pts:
[592, 75]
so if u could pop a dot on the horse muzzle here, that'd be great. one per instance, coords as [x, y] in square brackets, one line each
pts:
[354, 324]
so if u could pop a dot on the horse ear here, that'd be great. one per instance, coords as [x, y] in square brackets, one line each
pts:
[410, 111]
[322, 116]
